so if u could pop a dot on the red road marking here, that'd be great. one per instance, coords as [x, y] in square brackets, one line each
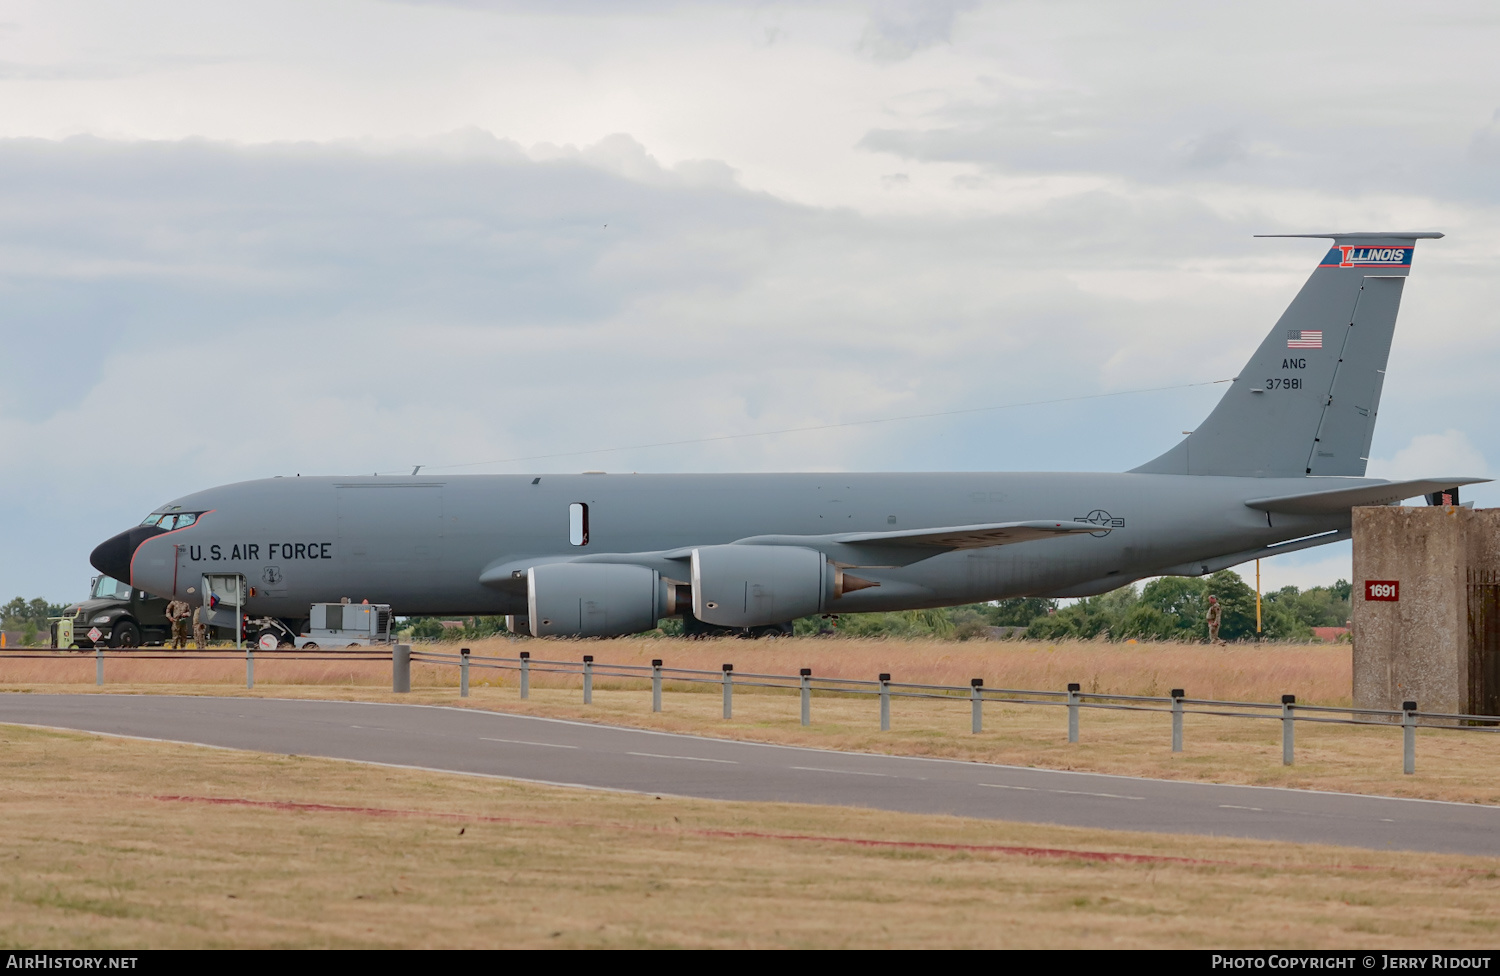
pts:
[1113, 856]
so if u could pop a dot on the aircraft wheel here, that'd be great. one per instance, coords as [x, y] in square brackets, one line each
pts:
[695, 629]
[770, 630]
[310, 646]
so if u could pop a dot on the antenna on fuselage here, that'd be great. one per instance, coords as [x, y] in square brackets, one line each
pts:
[415, 470]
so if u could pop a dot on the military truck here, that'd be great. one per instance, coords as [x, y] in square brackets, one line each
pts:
[124, 616]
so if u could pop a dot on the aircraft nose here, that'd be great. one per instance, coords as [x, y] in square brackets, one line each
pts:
[112, 556]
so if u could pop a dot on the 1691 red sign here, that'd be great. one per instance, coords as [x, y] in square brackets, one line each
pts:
[1383, 590]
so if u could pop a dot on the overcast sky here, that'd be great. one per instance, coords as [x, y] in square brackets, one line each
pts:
[247, 239]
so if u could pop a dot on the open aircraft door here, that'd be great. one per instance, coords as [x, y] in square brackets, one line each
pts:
[224, 602]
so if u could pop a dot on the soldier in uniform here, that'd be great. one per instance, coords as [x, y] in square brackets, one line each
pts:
[178, 613]
[1215, 615]
[200, 630]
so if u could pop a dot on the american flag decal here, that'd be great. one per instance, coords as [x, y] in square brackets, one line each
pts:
[1304, 339]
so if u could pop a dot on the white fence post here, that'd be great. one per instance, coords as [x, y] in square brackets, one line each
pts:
[401, 669]
[1288, 735]
[806, 676]
[885, 703]
[1073, 690]
[588, 679]
[99, 665]
[463, 672]
[1177, 696]
[656, 684]
[525, 674]
[976, 694]
[250, 666]
[1409, 737]
[728, 690]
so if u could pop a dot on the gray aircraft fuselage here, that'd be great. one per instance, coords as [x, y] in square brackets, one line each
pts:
[421, 544]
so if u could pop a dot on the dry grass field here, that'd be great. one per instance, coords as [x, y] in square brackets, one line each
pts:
[118, 843]
[1450, 765]
[1316, 673]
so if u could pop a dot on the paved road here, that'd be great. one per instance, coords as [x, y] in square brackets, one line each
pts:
[600, 756]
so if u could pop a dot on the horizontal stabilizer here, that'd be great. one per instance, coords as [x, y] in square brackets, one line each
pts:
[1369, 235]
[1332, 500]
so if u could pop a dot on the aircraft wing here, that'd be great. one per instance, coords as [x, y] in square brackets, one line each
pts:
[973, 536]
[511, 574]
[896, 548]
[902, 547]
[1333, 500]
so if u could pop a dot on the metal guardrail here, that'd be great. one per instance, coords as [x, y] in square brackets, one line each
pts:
[1074, 699]
[248, 655]
[805, 683]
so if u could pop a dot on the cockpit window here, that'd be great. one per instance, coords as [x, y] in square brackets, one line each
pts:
[108, 588]
[171, 520]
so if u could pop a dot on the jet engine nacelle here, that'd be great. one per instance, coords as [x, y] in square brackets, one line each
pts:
[595, 599]
[751, 586]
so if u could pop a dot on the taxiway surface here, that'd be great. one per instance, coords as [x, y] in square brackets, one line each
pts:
[581, 754]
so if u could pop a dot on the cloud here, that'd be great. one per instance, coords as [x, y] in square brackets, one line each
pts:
[1144, 97]
[18, 71]
[1215, 149]
[201, 312]
[443, 233]
[1432, 455]
[897, 29]
[1484, 145]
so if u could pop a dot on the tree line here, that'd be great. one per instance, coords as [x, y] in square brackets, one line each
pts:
[1172, 608]
[1176, 608]
[30, 618]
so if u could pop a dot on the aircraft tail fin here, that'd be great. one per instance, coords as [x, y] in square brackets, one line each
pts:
[1305, 403]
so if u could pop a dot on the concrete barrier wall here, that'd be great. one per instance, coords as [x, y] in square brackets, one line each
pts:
[1437, 643]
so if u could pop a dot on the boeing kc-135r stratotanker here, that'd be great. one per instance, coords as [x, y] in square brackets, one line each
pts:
[1276, 467]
